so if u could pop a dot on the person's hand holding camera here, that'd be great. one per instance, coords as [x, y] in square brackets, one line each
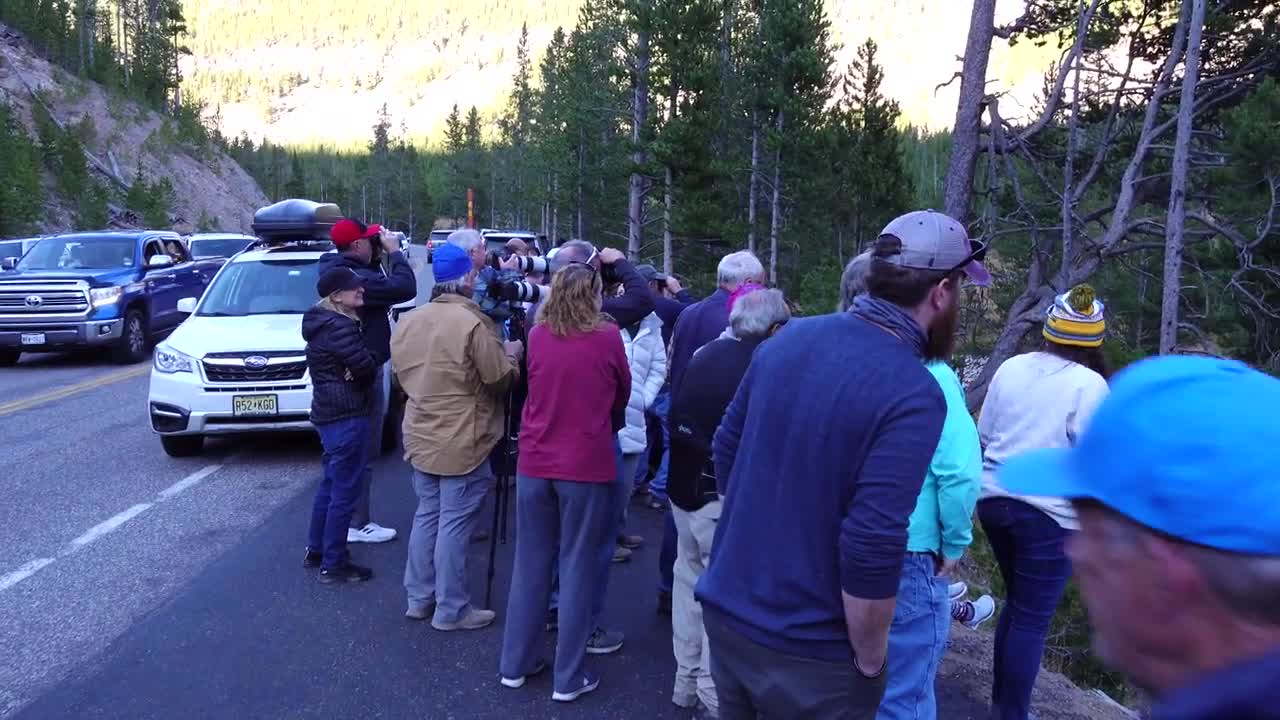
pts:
[390, 241]
[609, 256]
[672, 286]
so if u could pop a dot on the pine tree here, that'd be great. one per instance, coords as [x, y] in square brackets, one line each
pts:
[21, 197]
[296, 187]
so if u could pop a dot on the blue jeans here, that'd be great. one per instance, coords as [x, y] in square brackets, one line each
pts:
[557, 523]
[373, 436]
[667, 556]
[1030, 549]
[661, 408]
[345, 445]
[917, 640]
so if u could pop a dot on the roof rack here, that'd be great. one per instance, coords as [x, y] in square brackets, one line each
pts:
[277, 244]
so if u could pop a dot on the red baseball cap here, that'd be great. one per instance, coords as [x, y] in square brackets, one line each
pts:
[348, 230]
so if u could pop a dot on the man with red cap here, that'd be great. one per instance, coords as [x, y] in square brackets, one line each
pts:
[374, 254]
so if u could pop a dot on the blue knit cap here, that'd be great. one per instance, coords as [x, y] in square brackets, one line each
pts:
[449, 263]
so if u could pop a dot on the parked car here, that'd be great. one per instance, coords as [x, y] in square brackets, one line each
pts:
[117, 290]
[238, 364]
[435, 240]
[218, 245]
[496, 240]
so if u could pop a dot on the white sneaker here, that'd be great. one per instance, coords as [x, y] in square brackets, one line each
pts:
[984, 608]
[957, 591]
[371, 533]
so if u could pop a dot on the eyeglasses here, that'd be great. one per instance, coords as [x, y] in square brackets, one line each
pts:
[586, 264]
[977, 251]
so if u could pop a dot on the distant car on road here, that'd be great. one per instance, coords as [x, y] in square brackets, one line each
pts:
[496, 240]
[16, 247]
[217, 245]
[115, 290]
[435, 240]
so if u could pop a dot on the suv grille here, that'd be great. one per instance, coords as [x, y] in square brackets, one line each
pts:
[282, 366]
[46, 297]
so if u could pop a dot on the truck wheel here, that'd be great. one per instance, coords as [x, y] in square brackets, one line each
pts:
[9, 358]
[182, 445]
[132, 346]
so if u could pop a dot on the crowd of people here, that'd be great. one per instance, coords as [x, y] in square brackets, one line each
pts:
[819, 476]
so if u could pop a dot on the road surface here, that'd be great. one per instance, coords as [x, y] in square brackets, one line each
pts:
[139, 586]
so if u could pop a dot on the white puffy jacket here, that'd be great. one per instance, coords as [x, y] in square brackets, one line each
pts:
[648, 360]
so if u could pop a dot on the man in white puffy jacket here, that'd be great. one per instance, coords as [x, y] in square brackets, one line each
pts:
[647, 356]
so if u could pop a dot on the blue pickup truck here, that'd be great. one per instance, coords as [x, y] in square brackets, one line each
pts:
[113, 290]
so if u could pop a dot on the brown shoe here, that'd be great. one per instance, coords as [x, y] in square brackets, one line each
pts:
[630, 542]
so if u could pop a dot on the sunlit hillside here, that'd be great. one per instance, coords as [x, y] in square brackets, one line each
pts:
[305, 72]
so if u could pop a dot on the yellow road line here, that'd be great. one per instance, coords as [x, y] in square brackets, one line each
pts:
[14, 406]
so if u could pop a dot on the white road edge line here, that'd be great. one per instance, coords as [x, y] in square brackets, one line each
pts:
[186, 483]
[107, 526]
[8, 580]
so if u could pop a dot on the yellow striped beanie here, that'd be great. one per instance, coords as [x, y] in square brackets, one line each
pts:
[1075, 318]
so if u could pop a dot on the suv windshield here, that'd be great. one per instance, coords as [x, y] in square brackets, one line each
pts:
[217, 247]
[81, 252]
[262, 287]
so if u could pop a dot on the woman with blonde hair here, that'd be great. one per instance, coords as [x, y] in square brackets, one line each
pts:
[579, 385]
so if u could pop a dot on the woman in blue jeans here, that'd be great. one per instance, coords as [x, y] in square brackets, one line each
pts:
[1038, 400]
[343, 370]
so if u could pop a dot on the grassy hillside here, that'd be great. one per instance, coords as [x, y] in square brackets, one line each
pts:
[316, 72]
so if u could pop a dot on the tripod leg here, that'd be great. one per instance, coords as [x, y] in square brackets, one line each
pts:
[493, 542]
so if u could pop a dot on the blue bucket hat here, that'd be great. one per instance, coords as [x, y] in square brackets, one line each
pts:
[1186, 446]
[450, 262]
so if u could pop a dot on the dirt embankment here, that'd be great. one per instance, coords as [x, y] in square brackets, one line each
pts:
[210, 189]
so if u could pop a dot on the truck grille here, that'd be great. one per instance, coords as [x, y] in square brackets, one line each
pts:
[45, 297]
[282, 366]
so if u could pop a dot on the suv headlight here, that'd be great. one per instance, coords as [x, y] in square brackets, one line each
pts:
[168, 360]
[105, 296]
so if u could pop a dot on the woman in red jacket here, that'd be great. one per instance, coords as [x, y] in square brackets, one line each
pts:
[579, 384]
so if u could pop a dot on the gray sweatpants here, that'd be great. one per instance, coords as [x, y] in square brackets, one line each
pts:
[576, 517]
[438, 543]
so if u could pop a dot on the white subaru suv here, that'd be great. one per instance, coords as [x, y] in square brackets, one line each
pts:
[238, 363]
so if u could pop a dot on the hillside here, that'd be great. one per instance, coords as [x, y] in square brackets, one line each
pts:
[210, 191]
[311, 73]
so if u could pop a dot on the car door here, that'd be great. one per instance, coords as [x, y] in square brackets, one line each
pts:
[162, 286]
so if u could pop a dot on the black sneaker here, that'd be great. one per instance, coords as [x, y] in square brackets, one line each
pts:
[347, 573]
[311, 559]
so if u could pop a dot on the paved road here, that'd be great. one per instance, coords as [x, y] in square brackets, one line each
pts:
[139, 586]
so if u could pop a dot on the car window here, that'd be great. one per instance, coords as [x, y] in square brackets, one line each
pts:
[218, 247]
[80, 252]
[262, 287]
[177, 251]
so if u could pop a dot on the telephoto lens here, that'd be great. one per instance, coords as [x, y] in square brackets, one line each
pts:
[515, 291]
[533, 264]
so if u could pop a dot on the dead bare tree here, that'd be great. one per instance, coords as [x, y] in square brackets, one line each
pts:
[639, 118]
[1172, 291]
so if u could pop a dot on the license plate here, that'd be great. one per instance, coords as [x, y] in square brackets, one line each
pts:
[32, 338]
[254, 405]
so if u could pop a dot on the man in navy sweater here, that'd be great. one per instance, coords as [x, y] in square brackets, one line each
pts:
[820, 458]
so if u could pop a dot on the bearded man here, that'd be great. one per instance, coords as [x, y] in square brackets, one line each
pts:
[821, 457]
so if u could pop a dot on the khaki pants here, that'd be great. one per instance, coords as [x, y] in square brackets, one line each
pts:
[688, 637]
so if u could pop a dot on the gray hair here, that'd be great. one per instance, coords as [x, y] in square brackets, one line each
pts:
[756, 312]
[737, 268]
[572, 251]
[466, 238]
[854, 280]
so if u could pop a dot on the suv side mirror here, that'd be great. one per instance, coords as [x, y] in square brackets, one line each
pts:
[159, 261]
[9, 263]
[186, 306]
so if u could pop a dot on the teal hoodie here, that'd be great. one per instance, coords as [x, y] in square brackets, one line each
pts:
[943, 518]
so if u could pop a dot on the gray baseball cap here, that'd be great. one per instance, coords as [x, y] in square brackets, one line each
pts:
[934, 241]
[650, 273]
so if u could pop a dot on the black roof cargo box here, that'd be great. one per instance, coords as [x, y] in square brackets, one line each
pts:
[296, 219]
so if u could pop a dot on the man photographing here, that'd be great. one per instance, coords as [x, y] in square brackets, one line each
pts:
[365, 249]
[456, 372]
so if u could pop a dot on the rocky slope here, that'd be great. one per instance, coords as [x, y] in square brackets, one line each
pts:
[210, 188]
